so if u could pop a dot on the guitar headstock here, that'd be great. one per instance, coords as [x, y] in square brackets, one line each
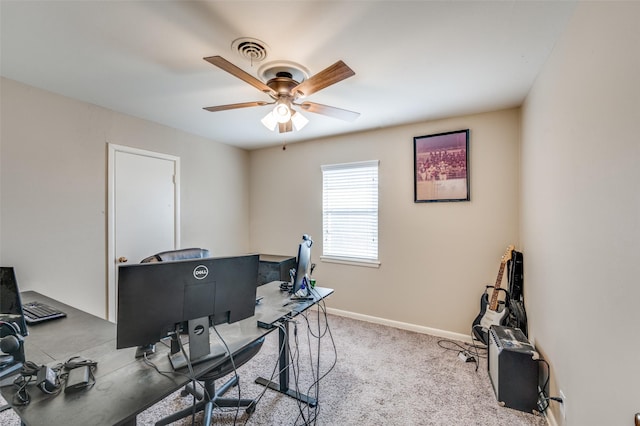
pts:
[507, 254]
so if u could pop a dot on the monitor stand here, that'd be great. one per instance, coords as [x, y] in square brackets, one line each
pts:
[145, 350]
[199, 348]
[302, 294]
[301, 298]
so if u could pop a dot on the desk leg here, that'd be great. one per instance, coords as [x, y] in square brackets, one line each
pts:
[283, 386]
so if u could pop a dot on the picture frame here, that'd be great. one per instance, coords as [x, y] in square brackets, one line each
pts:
[441, 167]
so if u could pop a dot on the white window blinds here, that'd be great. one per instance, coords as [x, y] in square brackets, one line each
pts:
[350, 210]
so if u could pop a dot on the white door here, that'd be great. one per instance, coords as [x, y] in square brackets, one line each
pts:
[143, 209]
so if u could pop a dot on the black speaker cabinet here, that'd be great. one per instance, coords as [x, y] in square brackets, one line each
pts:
[513, 368]
[274, 268]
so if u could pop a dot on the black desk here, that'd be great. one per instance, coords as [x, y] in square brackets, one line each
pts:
[124, 385]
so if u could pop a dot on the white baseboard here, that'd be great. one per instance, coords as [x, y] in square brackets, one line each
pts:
[402, 325]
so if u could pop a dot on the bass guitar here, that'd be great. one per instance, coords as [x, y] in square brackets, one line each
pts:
[489, 314]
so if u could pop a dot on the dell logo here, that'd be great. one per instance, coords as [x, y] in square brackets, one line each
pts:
[200, 272]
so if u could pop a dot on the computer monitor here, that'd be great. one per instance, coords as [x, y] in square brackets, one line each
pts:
[303, 268]
[155, 299]
[10, 301]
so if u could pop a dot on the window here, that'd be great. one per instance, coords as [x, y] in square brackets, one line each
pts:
[350, 212]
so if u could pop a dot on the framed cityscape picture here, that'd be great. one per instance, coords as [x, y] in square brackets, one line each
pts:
[441, 167]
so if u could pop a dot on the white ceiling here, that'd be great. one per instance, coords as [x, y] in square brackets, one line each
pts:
[414, 60]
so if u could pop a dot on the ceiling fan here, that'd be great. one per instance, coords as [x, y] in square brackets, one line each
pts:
[288, 93]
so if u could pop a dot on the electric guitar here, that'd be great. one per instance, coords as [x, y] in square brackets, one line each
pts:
[489, 314]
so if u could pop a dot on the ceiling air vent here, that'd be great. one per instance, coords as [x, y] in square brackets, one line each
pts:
[250, 48]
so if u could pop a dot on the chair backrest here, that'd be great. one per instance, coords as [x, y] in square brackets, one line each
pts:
[187, 253]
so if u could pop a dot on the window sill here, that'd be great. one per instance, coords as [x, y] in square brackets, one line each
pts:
[352, 262]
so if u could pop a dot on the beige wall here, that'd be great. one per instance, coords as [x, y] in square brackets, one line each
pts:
[435, 257]
[581, 214]
[53, 191]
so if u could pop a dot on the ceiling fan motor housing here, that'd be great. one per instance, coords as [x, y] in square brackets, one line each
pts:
[282, 84]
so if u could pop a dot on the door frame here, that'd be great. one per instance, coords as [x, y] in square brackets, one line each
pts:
[113, 149]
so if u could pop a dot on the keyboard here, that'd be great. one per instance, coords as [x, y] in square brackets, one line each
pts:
[35, 312]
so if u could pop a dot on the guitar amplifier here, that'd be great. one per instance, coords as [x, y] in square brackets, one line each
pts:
[513, 368]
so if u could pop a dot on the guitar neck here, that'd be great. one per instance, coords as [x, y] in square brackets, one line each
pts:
[493, 306]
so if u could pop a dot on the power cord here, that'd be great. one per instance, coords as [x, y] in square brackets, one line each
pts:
[76, 361]
[78, 374]
[464, 351]
[235, 372]
[543, 399]
[322, 307]
[277, 364]
[308, 415]
[312, 413]
[28, 374]
[51, 380]
[475, 346]
[191, 374]
[175, 336]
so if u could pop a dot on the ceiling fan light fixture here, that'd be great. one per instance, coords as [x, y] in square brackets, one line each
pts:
[282, 112]
[270, 121]
[298, 120]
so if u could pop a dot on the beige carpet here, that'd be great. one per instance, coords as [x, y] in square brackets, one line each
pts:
[382, 376]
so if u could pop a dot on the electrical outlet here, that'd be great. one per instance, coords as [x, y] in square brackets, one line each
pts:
[563, 405]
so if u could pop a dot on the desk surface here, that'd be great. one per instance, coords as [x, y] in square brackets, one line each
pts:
[124, 385]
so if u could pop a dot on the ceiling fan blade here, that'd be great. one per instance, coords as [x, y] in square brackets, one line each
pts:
[328, 76]
[227, 66]
[285, 127]
[235, 106]
[330, 111]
